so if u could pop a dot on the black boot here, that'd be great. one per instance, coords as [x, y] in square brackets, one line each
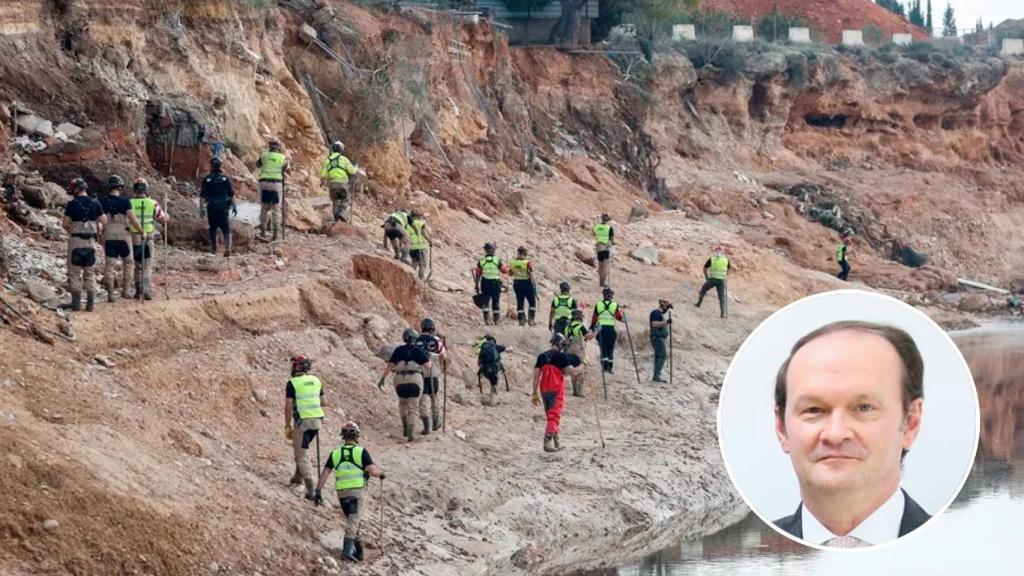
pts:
[487, 318]
[348, 551]
[496, 315]
[522, 317]
[437, 422]
[426, 425]
[76, 302]
[533, 316]
[407, 430]
[138, 290]
[90, 301]
[359, 549]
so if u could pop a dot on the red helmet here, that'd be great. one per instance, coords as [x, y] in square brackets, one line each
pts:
[301, 364]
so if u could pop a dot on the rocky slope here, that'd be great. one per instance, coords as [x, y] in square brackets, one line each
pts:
[153, 437]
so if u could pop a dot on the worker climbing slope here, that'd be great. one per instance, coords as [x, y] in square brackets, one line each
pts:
[487, 277]
[395, 227]
[549, 385]
[303, 415]
[336, 171]
[716, 269]
[434, 346]
[606, 313]
[659, 336]
[217, 200]
[83, 220]
[409, 363]
[562, 306]
[273, 165]
[117, 240]
[148, 212]
[419, 243]
[578, 335]
[604, 240]
[842, 254]
[524, 286]
[489, 364]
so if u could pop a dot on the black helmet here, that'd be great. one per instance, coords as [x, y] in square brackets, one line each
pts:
[522, 251]
[337, 146]
[577, 314]
[409, 336]
[427, 325]
[115, 182]
[564, 287]
[78, 184]
[608, 292]
[559, 341]
[350, 430]
[605, 217]
[274, 144]
[490, 247]
[216, 163]
[140, 186]
[489, 337]
[301, 364]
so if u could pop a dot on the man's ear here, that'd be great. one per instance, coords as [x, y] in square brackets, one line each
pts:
[912, 422]
[780, 430]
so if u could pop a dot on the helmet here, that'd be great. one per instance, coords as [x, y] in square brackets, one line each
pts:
[577, 314]
[608, 292]
[409, 336]
[350, 430]
[140, 186]
[274, 144]
[216, 163]
[78, 184]
[489, 338]
[490, 247]
[427, 325]
[605, 217]
[559, 341]
[337, 146]
[522, 251]
[416, 215]
[564, 287]
[115, 182]
[301, 364]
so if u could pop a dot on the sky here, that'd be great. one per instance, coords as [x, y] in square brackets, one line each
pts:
[968, 11]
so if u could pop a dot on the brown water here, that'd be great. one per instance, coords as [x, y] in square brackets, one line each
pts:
[980, 534]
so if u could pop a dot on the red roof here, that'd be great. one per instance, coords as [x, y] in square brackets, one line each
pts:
[829, 17]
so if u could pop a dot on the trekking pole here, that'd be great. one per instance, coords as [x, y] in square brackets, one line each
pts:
[505, 374]
[604, 383]
[144, 283]
[597, 412]
[479, 384]
[318, 447]
[444, 404]
[163, 255]
[381, 533]
[631, 349]
[670, 348]
[430, 262]
[284, 211]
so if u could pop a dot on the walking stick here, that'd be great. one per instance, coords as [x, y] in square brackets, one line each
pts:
[479, 384]
[284, 211]
[597, 412]
[505, 374]
[670, 347]
[317, 467]
[444, 405]
[430, 263]
[604, 383]
[380, 536]
[631, 349]
[163, 255]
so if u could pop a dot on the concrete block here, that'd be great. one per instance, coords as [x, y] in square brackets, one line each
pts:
[683, 32]
[743, 33]
[902, 39]
[800, 35]
[1012, 47]
[853, 38]
[70, 130]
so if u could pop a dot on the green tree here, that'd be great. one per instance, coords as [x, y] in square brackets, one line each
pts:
[653, 20]
[979, 27]
[928, 19]
[949, 22]
[916, 17]
[893, 6]
[526, 6]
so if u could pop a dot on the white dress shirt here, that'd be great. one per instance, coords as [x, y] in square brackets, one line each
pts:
[882, 525]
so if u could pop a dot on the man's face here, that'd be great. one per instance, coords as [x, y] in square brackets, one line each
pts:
[844, 426]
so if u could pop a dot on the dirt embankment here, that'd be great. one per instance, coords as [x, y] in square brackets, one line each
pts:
[154, 441]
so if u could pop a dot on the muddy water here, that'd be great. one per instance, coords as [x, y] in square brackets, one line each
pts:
[979, 534]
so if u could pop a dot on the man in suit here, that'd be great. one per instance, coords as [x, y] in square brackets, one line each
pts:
[848, 404]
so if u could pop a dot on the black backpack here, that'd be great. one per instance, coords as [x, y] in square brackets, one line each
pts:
[489, 355]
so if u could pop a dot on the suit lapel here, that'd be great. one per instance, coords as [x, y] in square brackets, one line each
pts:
[913, 515]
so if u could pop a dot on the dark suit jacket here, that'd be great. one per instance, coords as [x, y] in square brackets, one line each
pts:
[913, 517]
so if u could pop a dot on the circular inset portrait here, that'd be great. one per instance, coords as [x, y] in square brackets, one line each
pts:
[848, 419]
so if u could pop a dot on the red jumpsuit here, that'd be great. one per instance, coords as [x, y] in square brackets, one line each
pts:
[552, 385]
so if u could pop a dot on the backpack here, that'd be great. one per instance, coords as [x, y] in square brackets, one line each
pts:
[489, 355]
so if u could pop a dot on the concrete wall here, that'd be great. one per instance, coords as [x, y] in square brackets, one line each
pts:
[683, 32]
[800, 35]
[853, 38]
[1012, 47]
[743, 33]
[902, 38]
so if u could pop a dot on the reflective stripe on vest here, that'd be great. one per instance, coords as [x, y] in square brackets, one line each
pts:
[348, 467]
[490, 268]
[841, 253]
[272, 166]
[520, 269]
[574, 331]
[603, 233]
[719, 267]
[563, 305]
[606, 312]
[145, 211]
[337, 168]
[417, 240]
[307, 396]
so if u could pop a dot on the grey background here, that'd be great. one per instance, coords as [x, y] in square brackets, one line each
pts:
[939, 459]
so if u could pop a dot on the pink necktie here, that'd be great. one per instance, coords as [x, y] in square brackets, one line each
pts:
[846, 542]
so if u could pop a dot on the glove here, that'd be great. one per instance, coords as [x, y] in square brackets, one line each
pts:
[380, 383]
[318, 499]
[669, 321]
[536, 399]
[382, 476]
[234, 210]
[288, 432]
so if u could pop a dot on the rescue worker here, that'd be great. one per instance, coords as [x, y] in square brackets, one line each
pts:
[303, 415]
[487, 277]
[336, 171]
[117, 241]
[273, 165]
[549, 385]
[408, 362]
[561, 309]
[84, 220]
[606, 313]
[147, 211]
[488, 361]
[604, 239]
[578, 335]
[419, 243]
[842, 251]
[434, 346]
[351, 465]
[659, 335]
[716, 269]
[217, 198]
[521, 270]
[395, 226]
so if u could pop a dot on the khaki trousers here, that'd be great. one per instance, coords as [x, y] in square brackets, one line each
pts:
[79, 275]
[351, 518]
[301, 454]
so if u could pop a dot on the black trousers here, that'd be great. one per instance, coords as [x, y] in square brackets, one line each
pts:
[844, 269]
[217, 218]
[606, 337]
[491, 290]
[524, 293]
